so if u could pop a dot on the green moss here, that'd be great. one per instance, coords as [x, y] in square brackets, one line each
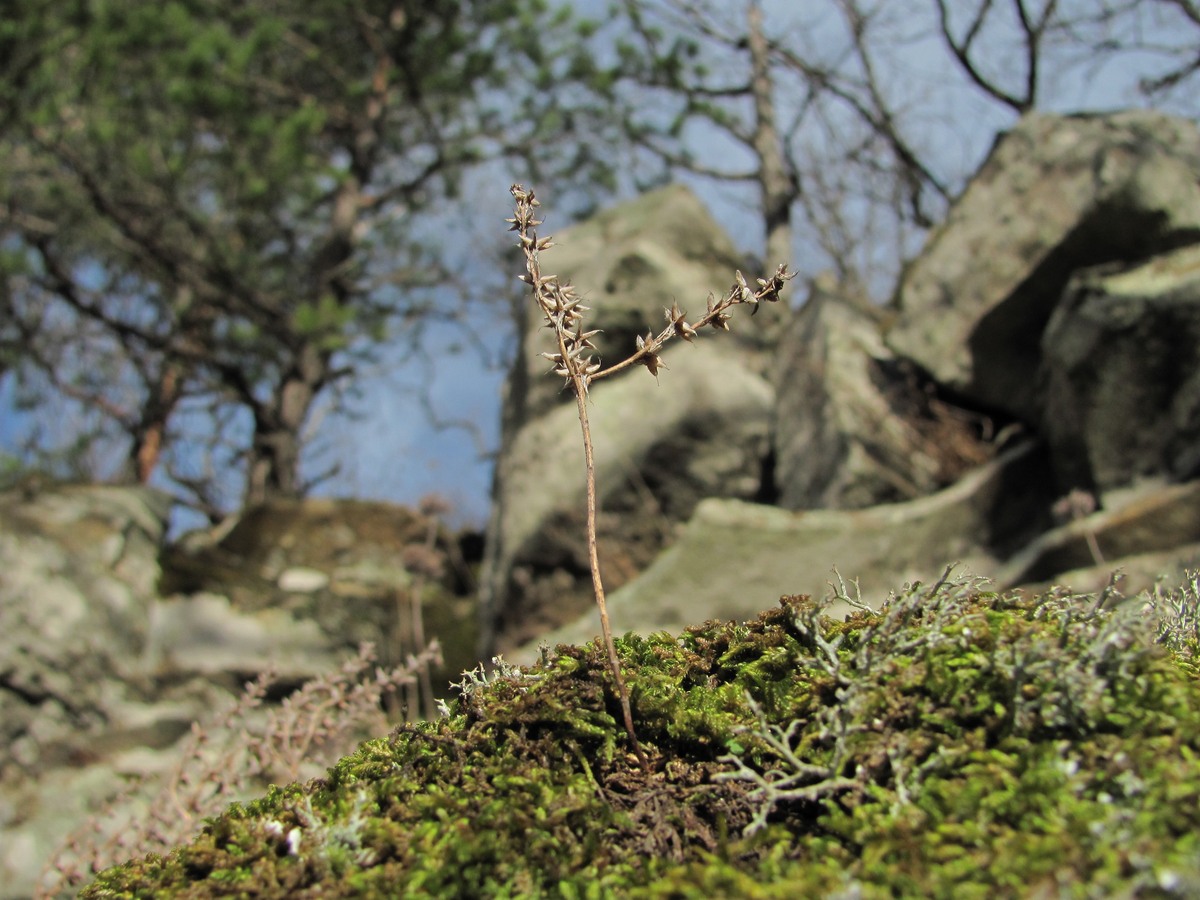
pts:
[958, 743]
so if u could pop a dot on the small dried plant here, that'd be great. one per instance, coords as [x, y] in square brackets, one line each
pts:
[427, 563]
[232, 757]
[573, 359]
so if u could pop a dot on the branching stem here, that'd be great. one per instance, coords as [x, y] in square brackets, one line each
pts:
[574, 362]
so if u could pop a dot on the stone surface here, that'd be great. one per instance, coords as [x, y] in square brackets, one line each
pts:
[736, 558]
[1136, 573]
[855, 426]
[78, 574]
[1148, 518]
[113, 646]
[336, 563]
[202, 633]
[79, 567]
[1121, 368]
[1057, 194]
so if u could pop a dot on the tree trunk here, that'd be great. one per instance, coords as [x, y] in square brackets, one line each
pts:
[274, 469]
[151, 432]
[779, 188]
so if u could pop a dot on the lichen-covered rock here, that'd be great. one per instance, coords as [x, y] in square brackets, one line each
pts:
[1121, 369]
[854, 425]
[79, 566]
[334, 564]
[78, 577]
[108, 655]
[1057, 194]
[957, 742]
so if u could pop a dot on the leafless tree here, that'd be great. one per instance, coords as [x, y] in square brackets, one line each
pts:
[856, 122]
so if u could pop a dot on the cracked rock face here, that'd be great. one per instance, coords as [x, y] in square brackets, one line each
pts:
[1121, 371]
[1057, 194]
[78, 579]
[78, 574]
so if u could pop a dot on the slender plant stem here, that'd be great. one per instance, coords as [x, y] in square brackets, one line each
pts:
[614, 664]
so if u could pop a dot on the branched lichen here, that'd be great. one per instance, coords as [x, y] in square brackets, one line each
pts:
[938, 673]
[1178, 613]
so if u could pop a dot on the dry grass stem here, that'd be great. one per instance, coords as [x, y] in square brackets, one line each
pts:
[574, 360]
[426, 563]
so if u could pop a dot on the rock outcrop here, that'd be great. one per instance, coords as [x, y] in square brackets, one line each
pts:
[78, 572]
[336, 565]
[1053, 318]
[1121, 373]
[79, 567]
[732, 554]
[1030, 408]
[1056, 195]
[113, 644]
[854, 424]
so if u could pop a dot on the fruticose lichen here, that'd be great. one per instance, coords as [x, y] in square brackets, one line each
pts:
[958, 742]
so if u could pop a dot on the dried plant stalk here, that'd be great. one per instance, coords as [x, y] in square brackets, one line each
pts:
[573, 360]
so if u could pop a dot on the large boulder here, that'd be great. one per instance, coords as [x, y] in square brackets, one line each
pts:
[1121, 369]
[1057, 194]
[79, 567]
[735, 558]
[856, 426]
[329, 573]
[702, 430]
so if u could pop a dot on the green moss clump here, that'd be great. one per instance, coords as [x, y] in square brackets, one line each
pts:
[957, 743]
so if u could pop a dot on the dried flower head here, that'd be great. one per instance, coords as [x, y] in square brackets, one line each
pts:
[434, 505]
[421, 559]
[647, 356]
[677, 319]
[716, 315]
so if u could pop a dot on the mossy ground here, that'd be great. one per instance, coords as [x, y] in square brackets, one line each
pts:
[957, 744]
